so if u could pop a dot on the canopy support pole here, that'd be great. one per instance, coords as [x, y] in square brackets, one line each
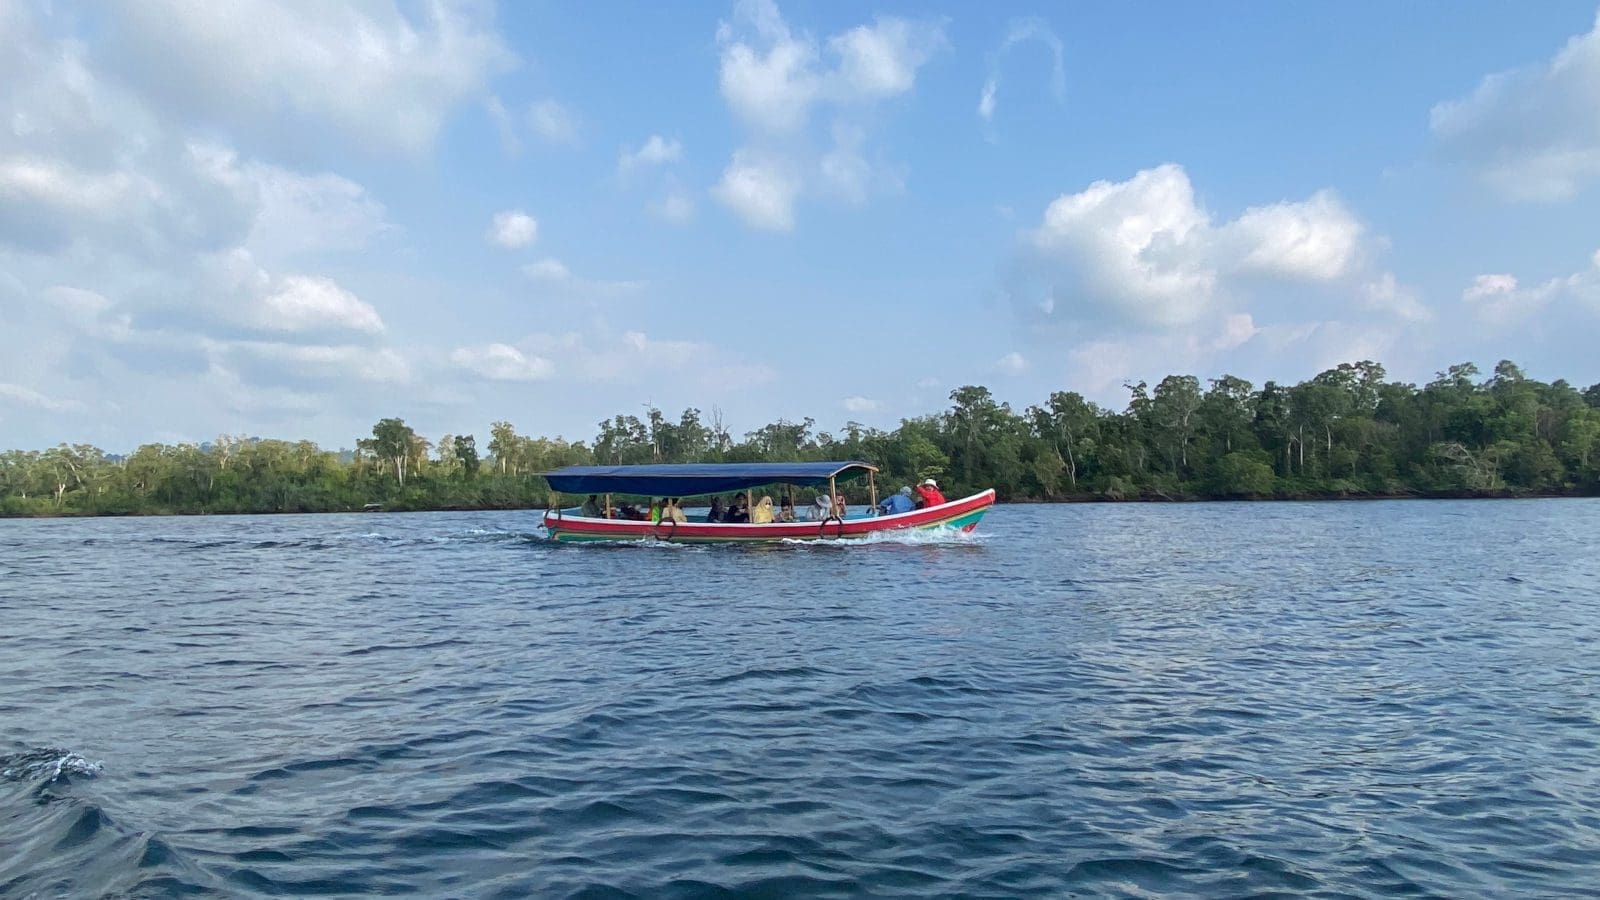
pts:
[555, 502]
[792, 511]
[872, 488]
[749, 505]
[608, 506]
[833, 496]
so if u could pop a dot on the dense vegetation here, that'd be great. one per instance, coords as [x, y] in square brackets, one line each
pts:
[1346, 432]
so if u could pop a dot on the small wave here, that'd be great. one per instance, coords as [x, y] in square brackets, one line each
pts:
[46, 764]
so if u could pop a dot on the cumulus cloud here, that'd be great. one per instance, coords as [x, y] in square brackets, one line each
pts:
[773, 77]
[553, 123]
[675, 207]
[501, 362]
[383, 74]
[1144, 251]
[151, 260]
[1531, 134]
[1501, 299]
[1012, 363]
[655, 151]
[309, 303]
[859, 405]
[760, 191]
[1023, 31]
[513, 229]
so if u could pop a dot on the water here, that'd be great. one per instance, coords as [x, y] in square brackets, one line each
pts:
[1137, 700]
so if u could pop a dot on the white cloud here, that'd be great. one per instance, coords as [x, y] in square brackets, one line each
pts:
[513, 229]
[547, 270]
[553, 123]
[925, 383]
[635, 357]
[655, 151]
[1314, 240]
[502, 362]
[772, 90]
[675, 207]
[1531, 134]
[314, 362]
[376, 74]
[845, 173]
[309, 303]
[881, 61]
[1022, 31]
[1388, 295]
[1500, 299]
[773, 77]
[1012, 363]
[859, 405]
[21, 396]
[554, 274]
[510, 143]
[297, 212]
[1146, 252]
[760, 191]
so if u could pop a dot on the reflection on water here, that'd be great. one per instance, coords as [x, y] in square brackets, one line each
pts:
[1119, 700]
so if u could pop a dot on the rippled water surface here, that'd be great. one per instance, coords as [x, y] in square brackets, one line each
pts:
[1138, 700]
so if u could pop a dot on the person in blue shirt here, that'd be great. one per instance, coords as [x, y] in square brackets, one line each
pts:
[897, 503]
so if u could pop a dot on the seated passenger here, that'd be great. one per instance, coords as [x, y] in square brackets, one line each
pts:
[671, 513]
[928, 494]
[822, 509]
[762, 514]
[591, 507]
[629, 511]
[840, 506]
[898, 503]
[714, 513]
[738, 513]
[786, 514]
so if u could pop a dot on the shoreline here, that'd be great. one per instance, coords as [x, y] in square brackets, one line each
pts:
[1059, 501]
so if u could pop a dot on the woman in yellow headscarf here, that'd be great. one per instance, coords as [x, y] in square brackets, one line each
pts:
[762, 514]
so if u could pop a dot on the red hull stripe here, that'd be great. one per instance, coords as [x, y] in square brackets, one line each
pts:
[624, 529]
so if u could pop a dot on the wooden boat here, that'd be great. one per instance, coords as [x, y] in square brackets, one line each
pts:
[703, 480]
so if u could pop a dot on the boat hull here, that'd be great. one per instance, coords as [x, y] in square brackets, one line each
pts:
[961, 515]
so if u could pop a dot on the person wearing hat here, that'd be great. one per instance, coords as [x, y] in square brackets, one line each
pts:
[928, 494]
[897, 503]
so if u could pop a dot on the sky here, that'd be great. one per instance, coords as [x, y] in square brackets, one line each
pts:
[290, 219]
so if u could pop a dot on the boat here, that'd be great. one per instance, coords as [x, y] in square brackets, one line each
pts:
[710, 479]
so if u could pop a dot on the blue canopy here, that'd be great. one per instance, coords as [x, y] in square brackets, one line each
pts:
[697, 479]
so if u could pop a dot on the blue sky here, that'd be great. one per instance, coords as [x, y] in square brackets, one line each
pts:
[291, 219]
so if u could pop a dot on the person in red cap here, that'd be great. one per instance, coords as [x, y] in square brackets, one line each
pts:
[928, 494]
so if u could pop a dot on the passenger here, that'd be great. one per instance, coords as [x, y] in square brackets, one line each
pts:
[840, 506]
[898, 503]
[655, 511]
[591, 508]
[762, 514]
[928, 494]
[738, 513]
[786, 514]
[671, 512]
[714, 511]
[822, 509]
[629, 511]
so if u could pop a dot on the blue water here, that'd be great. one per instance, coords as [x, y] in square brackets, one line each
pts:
[1130, 700]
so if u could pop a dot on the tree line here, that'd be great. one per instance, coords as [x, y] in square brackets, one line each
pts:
[1348, 432]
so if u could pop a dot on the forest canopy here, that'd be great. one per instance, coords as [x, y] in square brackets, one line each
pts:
[1348, 432]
